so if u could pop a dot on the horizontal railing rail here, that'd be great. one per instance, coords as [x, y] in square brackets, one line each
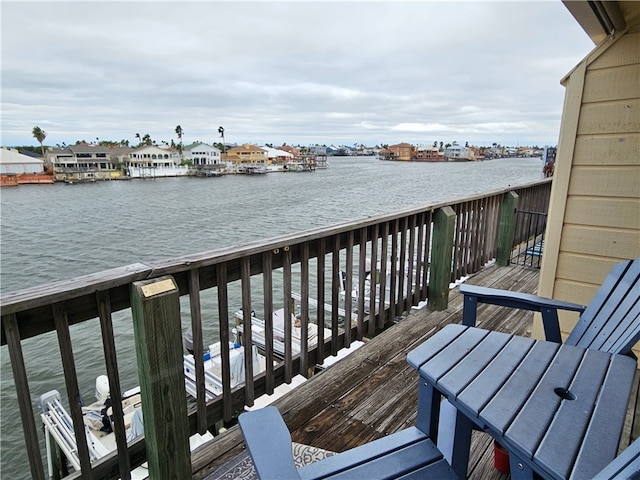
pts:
[352, 279]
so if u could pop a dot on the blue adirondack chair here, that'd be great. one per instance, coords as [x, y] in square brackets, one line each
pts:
[625, 466]
[408, 454]
[610, 323]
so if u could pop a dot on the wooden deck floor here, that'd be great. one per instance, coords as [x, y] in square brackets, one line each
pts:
[373, 392]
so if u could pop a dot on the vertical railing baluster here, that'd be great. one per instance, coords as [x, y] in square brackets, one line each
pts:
[348, 292]
[198, 347]
[10, 326]
[288, 362]
[411, 262]
[267, 293]
[335, 294]
[247, 327]
[419, 258]
[402, 265]
[103, 300]
[427, 254]
[475, 244]
[466, 233]
[362, 281]
[223, 319]
[321, 299]
[71, 381]
[495, 208]
[394, 302]
[484, 230]
[304, 309]
[382, 307]
[373, 282]
[457, 239]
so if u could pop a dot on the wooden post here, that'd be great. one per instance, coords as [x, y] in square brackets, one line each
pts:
[506, 228]
[444, 222]
[158, 337]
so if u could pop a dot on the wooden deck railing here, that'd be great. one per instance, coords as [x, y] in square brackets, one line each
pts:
[414, 254]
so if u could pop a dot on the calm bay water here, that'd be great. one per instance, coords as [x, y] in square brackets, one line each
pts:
[56, 232]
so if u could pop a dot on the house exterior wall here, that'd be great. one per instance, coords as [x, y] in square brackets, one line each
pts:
[247, 154]
[402, 151]
[594, 213]
[456, 152]
[34, 166]
[203, 155]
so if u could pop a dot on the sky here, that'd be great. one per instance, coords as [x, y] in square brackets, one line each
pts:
[299, 72]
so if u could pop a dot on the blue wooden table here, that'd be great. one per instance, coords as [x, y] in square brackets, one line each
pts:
[558, 409]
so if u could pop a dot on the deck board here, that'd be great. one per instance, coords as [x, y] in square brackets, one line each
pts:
[373, 392]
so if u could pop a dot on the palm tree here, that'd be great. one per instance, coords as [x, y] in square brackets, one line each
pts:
[139, 138]
[39, 135]
[179, 132]
[147, 140]
[221, 132]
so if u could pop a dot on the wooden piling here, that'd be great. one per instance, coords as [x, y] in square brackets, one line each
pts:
[156, 320]
[444, 222]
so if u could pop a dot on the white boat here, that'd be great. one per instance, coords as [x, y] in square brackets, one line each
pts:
[258, 327]
[58, 426]
[252, 169]
[355, 291]
[213, 369]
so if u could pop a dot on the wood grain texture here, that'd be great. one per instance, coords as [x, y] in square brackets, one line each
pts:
[158, 338]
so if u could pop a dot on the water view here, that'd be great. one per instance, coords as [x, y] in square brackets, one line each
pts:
[60, 231]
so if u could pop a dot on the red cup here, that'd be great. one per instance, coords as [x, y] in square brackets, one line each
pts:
[500, 458]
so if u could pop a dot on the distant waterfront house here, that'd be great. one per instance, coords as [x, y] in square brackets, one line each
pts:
[525, 152]
[152, 162]
[120, 156]
[246, 155]
[429, 154]
[476, 153]
[385, 154]
[341, 151]
[292, 150]
[17, 168]
[202, 155]
[317, 149]
[277, 156]
[402, 151]
[455, 153]
[82, 162]
[14, 162]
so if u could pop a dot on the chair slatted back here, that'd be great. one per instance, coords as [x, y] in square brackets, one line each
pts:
[611, 322]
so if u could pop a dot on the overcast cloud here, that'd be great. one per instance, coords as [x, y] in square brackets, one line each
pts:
[298, 72]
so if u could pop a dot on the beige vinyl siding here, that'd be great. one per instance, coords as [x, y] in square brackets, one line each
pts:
[621, 213]
[595, 205]
[603, 150]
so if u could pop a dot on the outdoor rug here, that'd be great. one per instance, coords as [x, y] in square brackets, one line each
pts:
[241, 466]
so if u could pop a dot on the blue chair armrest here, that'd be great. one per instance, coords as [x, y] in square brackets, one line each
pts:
[269, 443]
[625, 466]
[548, 307]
